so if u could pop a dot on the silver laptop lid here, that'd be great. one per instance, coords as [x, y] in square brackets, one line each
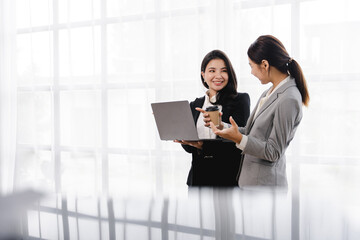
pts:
[174, 120]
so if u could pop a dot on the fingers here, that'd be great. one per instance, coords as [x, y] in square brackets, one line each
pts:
[207, 121]
[206, 116]
[214, 128]
[182, 141]
[233, 123]
[200, 110]
[186, 142]
[196, 144]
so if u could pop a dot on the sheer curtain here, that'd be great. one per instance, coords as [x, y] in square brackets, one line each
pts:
[87, 71]
[7, 95]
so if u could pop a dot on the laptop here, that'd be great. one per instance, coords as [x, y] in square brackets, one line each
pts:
[175, 121]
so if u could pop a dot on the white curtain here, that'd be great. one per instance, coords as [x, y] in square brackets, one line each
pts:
[7, 95]
[86, 72]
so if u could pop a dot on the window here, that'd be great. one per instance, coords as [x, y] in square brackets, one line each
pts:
[87, 71]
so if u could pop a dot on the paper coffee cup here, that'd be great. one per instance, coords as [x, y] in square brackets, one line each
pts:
[214, 114]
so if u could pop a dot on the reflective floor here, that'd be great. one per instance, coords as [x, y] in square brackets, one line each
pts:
[203, 213]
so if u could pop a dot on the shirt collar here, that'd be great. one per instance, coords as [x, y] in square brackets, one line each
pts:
[287, 79]
[208, 99]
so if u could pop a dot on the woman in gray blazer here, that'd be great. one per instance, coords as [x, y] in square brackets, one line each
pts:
[274, 120]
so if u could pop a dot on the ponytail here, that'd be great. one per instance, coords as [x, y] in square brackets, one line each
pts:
[270, 48]
[296, 72]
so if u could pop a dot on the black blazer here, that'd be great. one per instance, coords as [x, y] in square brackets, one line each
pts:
[217, 163]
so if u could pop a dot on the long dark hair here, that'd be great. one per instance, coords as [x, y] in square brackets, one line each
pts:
[270, 48]
[230, 90]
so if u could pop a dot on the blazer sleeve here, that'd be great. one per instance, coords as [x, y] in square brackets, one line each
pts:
[287, 116]
[242, 130]
[241, 109]
[240, 112]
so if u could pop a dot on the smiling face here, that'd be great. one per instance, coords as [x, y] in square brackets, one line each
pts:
[215, 75]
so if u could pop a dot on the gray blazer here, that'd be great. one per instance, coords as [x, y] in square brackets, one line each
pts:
[269, 134]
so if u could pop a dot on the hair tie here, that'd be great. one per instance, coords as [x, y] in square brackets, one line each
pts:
[287, 65]
[288, 62]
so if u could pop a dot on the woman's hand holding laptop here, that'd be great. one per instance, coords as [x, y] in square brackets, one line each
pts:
[196, 144]
[207, 120]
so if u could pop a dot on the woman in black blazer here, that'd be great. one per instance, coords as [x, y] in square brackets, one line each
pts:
[215, 162]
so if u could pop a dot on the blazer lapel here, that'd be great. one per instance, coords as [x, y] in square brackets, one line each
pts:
[198, 103]
[250, 121]
[268, 103]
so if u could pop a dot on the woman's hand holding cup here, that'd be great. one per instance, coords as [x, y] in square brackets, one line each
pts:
[213, 116]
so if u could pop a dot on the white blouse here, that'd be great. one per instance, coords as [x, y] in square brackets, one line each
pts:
[206, 132]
